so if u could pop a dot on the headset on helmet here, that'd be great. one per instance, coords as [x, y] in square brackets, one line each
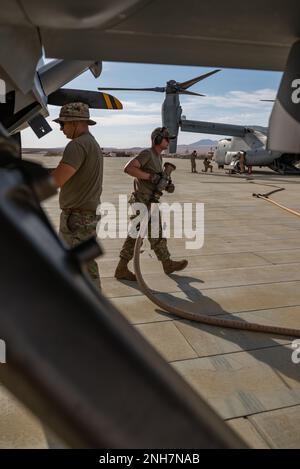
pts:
[159, 138]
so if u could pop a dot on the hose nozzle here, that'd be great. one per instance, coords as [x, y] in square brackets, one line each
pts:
[165, 179]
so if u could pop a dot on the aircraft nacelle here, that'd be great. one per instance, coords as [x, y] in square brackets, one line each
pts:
[260, 157]
[222, 149]
[227, 151]
[171, 116]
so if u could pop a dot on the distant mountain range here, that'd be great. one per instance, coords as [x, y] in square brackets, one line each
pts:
[200, 143]
[203, 145]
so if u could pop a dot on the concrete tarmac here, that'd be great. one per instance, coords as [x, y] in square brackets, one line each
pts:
[248, 267]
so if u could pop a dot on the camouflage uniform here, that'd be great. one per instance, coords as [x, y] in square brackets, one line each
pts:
[80, 195]
[148, 191]
[159, 245]
[242, 161]
[207, 165]
[193, 162]
[76, 227]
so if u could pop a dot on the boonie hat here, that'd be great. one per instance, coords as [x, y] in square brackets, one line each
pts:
[75, 112]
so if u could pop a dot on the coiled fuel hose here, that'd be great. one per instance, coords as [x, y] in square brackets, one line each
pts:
[199, 317]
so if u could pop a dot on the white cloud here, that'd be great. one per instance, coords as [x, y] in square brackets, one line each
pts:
[127, 119]
[234, 100]
[133, 125]
[134, 106]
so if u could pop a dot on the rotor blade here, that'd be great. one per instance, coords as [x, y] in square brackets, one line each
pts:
[158, 89]
[94, 99]
[186, 84]
[191, 93]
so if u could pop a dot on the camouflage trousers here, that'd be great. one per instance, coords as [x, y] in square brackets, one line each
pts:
[206, 167]
[76, 227]
[158, 244]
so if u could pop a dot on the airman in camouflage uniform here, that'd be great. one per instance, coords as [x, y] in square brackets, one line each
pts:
[79, 175]
[158, 244]
[76, 227]
[193, 162]
[207, 165]
[146, 168]
[241, 155]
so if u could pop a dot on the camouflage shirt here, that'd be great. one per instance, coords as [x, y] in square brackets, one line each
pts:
[84, 188]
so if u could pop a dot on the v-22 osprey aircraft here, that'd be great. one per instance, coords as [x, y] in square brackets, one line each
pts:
[253, 142]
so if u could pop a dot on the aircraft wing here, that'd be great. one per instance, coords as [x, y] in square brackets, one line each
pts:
[214, 33]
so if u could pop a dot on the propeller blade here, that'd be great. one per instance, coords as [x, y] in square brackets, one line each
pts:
[158, 89]
[186, 84]
[191, 93]
[94, 99]
[268, 100]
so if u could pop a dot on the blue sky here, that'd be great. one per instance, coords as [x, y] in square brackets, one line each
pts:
[232, 97]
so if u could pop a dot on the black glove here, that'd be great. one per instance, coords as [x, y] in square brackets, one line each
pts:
[155, 178]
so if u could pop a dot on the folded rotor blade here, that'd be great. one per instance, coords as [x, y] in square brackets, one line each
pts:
[158, 89]
[191, 93]
[186, 84]
[94, 99]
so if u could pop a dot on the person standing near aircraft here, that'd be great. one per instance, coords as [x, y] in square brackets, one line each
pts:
[146, 169]
[241, 155]
[193, 162]
[79, 175]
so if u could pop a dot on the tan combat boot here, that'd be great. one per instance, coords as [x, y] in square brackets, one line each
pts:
[122, 272]
[174, 266]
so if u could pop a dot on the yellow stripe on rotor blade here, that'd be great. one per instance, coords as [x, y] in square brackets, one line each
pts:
[108, 101]
[118, 103]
